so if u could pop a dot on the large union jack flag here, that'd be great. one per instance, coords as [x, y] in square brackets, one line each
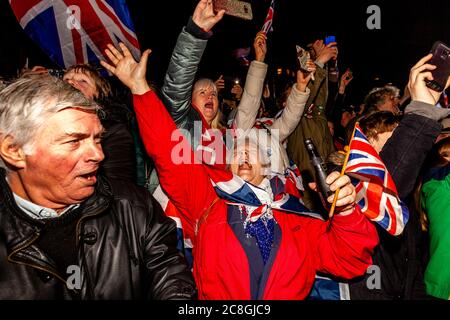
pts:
[269, 18]
[376, 193]
[76, 31]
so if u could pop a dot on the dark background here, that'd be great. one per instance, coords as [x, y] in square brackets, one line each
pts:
[408, 30]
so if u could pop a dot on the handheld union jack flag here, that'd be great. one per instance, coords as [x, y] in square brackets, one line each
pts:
[76, 31]
[376, 193]
[267, 27]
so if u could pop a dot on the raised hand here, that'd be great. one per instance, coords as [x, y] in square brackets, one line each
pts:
[328, 52]
[318, 47]
[237, 91]
[126, 69]
[346, 78]
[260, 46]
[204, 16]
[417, 85]
[220, 83]
[302, 78]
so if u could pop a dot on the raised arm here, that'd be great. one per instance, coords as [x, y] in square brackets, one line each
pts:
[319, 87]
[251, 97]
[185, 182]
[182, 177]
[186, 56]
[405, 152]
[295, 104]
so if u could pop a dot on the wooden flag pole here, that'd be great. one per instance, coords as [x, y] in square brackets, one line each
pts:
[347, 155]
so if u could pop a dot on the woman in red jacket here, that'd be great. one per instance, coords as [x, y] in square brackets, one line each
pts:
[242, 251]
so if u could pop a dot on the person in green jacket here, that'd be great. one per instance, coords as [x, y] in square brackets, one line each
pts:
[435, 200]
[314, 123]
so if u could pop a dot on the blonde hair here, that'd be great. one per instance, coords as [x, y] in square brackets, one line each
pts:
[216, 123]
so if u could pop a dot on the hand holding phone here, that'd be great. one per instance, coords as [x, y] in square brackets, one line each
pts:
[303, 57]
[440, 59]
[204, 15]
[419, 76]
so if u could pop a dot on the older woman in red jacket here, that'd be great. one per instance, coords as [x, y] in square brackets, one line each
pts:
[243, 251]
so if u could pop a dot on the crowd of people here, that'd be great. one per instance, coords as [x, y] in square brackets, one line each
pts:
[177, 193]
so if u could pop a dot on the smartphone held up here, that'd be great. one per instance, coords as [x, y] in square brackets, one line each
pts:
[236, 8]
[303, 57]
[329, 39]
[441, 59]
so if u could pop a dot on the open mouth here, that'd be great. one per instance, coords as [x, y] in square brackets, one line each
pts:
[90, 177]
[209, 105]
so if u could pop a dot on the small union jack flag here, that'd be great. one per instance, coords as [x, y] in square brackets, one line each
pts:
[267, 27]
[376, 193]
[76, 31]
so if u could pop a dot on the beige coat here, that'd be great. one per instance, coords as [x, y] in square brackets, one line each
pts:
[282, 126]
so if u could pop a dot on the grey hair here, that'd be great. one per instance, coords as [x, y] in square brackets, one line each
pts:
[258, 138]
[29, 101]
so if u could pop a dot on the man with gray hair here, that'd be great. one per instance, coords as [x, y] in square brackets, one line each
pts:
[67, 233]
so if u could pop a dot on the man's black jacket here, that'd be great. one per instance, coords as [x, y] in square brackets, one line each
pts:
[126, 250]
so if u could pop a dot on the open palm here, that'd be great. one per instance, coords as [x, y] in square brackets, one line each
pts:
[125, 68]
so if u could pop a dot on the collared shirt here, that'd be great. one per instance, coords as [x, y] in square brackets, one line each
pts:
[38, 212]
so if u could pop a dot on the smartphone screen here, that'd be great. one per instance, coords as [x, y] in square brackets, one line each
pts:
[329, 39]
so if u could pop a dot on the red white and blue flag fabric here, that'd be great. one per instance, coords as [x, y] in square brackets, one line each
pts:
[376, 193]
[185, 243]
[76, 31]
[267, 27]
[284, 192]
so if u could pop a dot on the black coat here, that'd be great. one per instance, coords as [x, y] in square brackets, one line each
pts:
[117, 141]
[400, 258]
[126, 249]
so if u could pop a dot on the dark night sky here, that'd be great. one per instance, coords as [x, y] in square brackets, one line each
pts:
[407, 33]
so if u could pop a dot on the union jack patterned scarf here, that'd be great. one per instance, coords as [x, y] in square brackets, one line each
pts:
[281, 192]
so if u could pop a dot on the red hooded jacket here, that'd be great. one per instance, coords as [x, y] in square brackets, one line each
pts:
[342, 246]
